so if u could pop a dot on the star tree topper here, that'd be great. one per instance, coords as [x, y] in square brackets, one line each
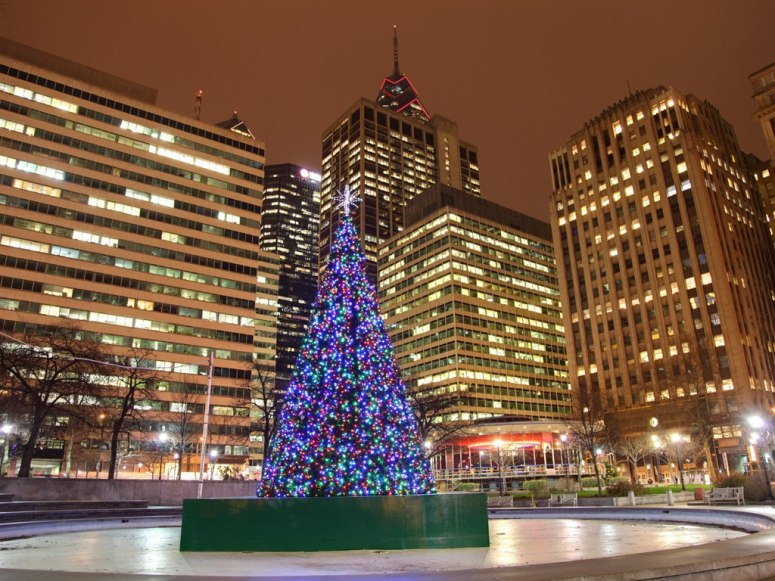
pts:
[346, 199]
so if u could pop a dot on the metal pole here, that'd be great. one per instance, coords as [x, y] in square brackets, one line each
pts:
[205, 425]
[763, 464]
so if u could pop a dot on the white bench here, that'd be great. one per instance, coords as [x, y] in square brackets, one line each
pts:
[500, 501]
[564, 499]
[733, 494]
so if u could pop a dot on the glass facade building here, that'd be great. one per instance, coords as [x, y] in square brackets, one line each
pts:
[666, 269]
[141, 227]
[470, 294]
[289, 229]
[389, 150]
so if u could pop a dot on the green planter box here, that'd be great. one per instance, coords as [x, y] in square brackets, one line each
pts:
[338, 523]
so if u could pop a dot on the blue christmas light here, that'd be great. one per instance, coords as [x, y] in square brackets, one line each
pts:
[346, 427]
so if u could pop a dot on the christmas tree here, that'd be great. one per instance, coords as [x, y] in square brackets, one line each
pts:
[346, 427]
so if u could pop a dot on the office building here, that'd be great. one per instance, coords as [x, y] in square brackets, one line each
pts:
[470, 294]
[389, 150]
[763, 85]
[141, 227]
[289, 229]
[666, 271]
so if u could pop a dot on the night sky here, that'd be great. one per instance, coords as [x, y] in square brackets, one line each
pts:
[518, 77]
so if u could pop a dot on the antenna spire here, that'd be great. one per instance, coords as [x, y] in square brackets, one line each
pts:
[198, 104]
[396, 71]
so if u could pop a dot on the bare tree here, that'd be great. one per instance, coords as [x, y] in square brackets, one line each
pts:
[587, 431]
[683, 378]
[266, 400]
[633, 450]
[184, 425]
[47, 371]
[131, 379]
[432, 410]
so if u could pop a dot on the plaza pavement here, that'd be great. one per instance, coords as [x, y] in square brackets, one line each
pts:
[529, 545]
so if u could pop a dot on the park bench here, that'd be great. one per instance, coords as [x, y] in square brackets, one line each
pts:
[732, 494]
[500, 501]
[564, 499]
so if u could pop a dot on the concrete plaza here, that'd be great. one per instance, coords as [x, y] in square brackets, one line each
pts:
[523, 548]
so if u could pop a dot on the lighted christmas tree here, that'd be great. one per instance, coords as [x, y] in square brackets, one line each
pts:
[346, 428]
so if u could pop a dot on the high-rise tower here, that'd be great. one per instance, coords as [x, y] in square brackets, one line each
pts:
[666, 273]
[389, 150]
[289, 228]
[763, 85]
[141, 227]
[472, 302]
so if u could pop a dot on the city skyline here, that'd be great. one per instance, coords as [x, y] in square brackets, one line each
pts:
[289, 68]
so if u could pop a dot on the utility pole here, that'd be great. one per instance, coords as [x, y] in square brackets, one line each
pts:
[205, 425]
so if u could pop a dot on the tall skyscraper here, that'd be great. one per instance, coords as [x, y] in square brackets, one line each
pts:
[142, 228]
[763, 85]
[666, 274]
[470, 293]
[289, 228]
[389, 150]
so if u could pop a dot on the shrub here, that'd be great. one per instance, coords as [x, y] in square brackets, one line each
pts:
[539, 488]
[466, 487]
[589, 482]
[753, 484]
[623, 486]
[731, 480]
[755, 488]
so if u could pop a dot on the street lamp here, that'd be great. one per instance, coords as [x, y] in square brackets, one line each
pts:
[501, 474]
[563, 450]
[677, 439]
[213, 457]
[564, 455]
[163, 437]
[757, 423]
[6, 430]
[658, 451]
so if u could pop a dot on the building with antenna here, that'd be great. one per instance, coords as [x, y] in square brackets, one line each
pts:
[389, 150]
[140, 227]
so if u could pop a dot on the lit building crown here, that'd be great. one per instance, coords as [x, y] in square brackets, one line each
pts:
[397, 91]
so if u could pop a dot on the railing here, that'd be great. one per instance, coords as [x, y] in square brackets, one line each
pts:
[509, 472]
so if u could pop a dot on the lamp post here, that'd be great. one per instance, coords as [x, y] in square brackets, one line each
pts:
[757, 423]
[428, 446]
[501, 473]
[213, 457]
[206, 423]
[658, 451]
[565, 461]
[163, 437]
[6, 430]
[677, 439]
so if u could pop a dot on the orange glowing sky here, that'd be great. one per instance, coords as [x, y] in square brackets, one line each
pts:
[519, 77]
